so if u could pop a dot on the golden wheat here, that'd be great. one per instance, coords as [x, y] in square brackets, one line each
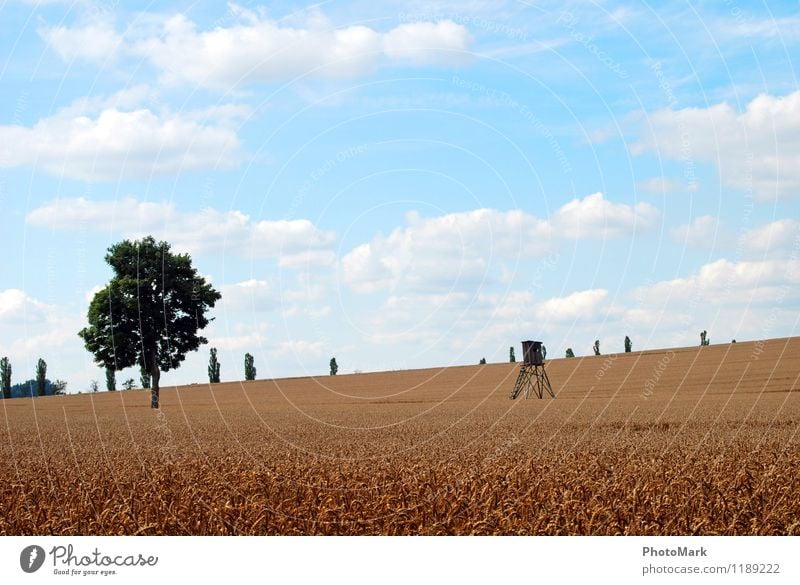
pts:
[709, 447]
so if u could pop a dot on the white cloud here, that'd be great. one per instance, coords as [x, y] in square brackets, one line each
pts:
[724, 281]
[755, 151]
[428, 42]
[119, 144]
[664, 185]
[258, 49]
[773, 238]
[251, 295]
[443, 252]
[461, 249]
[293, 242]
[19, 308]
[595, 217]
[705, 231]
[94, 41]
[587, 305]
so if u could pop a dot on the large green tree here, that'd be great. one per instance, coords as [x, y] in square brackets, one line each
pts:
[150, 312]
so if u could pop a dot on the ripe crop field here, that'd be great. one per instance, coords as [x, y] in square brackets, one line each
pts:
[685, 441]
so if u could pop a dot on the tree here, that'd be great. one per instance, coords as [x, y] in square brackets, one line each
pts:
[213, 367]
[628, 344]
[41, 376]
[570, 353]
[144, 377]
[483, 361]
[334, 366]
[59, 388]
[29, 388]
[596, 347]
[5, 377]
[93, 386]
[111, 380]
[150, 312]
[704, 340]
[249, 367]
[128, 384]
[511, 357]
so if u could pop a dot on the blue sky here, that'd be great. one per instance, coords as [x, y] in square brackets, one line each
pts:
[404, 184]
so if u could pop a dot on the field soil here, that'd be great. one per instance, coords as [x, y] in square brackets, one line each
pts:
[700, 440]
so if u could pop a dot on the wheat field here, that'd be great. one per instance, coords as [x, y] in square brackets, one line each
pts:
[684, 441]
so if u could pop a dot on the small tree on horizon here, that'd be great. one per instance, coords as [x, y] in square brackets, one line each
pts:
[482, 362]
[570, 353]
[5, 377]
[41, 376]
[249, 367]
[213, 367]
[628, 344]
[511, 357]
[596, 347]
[111, 380]
[334, 366]
[93, 386]
[704, 340]
[59, 388]
[128, 384]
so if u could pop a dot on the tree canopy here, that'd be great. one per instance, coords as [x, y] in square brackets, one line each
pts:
[150, 312]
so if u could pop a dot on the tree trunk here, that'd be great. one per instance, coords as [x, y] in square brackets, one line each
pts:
[155, 375]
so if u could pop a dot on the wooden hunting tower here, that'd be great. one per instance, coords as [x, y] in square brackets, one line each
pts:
[532, 375]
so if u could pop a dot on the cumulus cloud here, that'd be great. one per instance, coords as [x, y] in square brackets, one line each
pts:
[93, 41]
[441, 252]
[251, 295]
[257, 49]
[587, 305]
[755, 151]
[117, 144]
[293, 242]
[705, 231]
[458, 249]
[595, 217]
[776, 238]
[16, 307]
[728, 282]
[428, 42]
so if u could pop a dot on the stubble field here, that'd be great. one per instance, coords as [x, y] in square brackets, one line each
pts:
[685, 441]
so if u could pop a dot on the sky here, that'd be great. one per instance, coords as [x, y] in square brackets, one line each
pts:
[403, 184]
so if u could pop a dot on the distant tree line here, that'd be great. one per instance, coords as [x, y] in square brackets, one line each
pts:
[37, 386]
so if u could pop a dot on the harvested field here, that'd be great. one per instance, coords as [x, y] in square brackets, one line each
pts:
[685, 441]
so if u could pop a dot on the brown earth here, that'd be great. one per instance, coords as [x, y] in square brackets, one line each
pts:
[684, 441]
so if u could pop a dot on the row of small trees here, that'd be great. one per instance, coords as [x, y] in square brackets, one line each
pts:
[214, 367]
[40, 382]
[704, 340]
